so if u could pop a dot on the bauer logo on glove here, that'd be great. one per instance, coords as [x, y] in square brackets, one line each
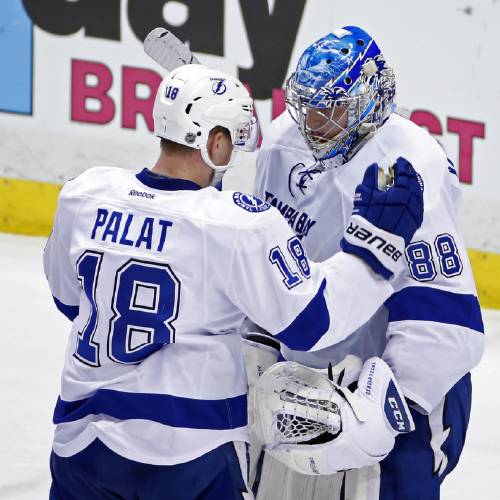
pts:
[384, 221]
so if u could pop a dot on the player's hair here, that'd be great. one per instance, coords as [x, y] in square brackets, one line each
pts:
[219, 128]
[174, 148]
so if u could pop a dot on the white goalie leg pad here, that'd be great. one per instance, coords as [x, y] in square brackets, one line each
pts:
[279, 482]
[258, 357]
[367, 424]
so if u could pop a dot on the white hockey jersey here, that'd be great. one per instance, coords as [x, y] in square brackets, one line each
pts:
[430, 331]
[158, 276]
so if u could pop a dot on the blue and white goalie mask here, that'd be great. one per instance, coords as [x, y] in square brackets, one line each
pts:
[341, 90]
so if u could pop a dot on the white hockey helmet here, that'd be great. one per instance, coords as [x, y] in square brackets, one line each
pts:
[194, 99]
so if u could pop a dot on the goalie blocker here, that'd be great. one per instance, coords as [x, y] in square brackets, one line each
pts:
[316, 427]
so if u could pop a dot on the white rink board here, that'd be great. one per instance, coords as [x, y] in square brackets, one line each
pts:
[444, 55]
[33, 343]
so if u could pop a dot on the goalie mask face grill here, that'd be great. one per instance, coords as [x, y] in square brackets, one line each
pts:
[341, 90]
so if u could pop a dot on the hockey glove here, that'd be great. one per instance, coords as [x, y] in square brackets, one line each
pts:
[316, 427]
[383, 222]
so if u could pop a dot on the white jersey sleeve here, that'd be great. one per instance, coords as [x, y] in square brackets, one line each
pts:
[435, 331]
[59, 270]
[305, 305]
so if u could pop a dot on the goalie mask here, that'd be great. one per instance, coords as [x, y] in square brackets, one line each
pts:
[193, 99]
[341, 90]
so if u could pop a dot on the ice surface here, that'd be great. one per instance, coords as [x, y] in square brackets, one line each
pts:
[33, 340]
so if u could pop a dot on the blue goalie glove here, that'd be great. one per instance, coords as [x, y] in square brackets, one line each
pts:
[383, 222]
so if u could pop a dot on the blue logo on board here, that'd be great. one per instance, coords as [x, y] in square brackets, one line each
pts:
[16, 58]
[250, 203]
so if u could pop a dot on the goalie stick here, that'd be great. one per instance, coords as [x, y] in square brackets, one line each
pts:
[167, 50]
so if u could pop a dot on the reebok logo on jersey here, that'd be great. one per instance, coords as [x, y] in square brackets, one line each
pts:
[142, 194]
[378, 242]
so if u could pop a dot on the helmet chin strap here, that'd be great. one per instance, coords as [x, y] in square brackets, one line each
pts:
[217, 179]
[219, 170]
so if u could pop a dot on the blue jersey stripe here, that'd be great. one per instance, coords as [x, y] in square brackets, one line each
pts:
[309, 326]
[175, 411]
[430, 304]
[71, 312]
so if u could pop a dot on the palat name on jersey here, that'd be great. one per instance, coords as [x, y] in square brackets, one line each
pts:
[146, 232]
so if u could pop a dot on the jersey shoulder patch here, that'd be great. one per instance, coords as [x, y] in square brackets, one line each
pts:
[250, 203]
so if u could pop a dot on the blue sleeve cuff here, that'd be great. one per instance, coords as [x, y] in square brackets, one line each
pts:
[71, 312]
[367, 257]
[309, 326]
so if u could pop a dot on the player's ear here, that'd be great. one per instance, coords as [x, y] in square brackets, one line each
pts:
[214, 139]
[212, 146]
[219, 145]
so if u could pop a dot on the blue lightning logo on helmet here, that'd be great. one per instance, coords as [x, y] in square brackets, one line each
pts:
[341, 90]
[219, 87]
